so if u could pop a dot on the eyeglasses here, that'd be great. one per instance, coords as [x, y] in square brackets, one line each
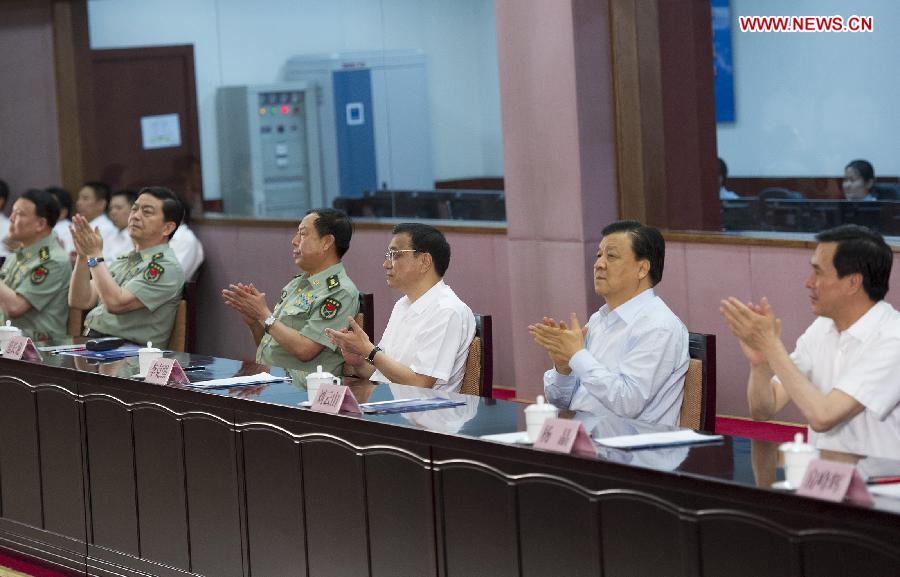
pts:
[391, 254]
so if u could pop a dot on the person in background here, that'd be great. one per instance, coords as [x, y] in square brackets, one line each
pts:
[859, 178]
[292, 336]
[4, 220]
[724, 193]
[61, 230]
[136, 297]
[119, 210]
[632, 356]
[188, 248]
[34, 279]
[843, 373]
[92, 202]
[426, 342]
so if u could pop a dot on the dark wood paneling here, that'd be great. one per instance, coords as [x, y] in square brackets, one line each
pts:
[400, 515]
[473, 504]
[162, 505]
[272, 480]
[110, 454]
[763, 551]
[212, 491]
[20, 467]
[639, 539]
[558, 526]
[334, 496]
[62, 466]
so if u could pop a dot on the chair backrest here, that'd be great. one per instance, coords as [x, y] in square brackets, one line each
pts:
[698, 409]
[478, 378]
[886, 191]
[178, 337]
[366, 315]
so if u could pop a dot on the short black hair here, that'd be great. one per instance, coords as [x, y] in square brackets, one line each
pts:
[426, 238]
[335, 222]
[4, 189]
[130, 195]
[62, 197]
[861, 250]
[863, 167]
[647, 243]
[45, 205]
[173, 210]
[723, 170]
[101, 190]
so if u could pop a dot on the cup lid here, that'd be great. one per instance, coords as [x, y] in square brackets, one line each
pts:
[541, 406]
[149, 349]
[320, 374]
[8, 328]
[797, 446]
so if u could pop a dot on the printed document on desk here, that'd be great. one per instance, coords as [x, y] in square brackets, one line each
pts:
[653, 440]
[409, 405]
[244, 381]
[111, 355]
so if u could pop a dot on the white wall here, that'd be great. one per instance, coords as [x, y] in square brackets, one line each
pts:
[808, 103]
[239, 42]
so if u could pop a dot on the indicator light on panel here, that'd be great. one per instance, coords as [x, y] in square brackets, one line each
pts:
[262, 110]
[285, 109]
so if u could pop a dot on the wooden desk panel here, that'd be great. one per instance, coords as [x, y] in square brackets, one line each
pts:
[143, 480]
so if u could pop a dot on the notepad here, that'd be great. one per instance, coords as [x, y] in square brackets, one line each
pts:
[652, 440]
[889, 490]
[244, 381]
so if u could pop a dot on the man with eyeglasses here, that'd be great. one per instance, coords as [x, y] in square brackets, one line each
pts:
[426, 342]
[292, 336]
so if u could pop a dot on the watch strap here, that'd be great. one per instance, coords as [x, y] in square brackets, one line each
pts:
[371, 358]
[267, 324]
[92, 262]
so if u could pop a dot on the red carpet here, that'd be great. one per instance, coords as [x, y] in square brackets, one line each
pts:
[17, 564]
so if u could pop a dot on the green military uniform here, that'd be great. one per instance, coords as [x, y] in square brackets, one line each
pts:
[40, 273]
[309, 305]
[154, 276]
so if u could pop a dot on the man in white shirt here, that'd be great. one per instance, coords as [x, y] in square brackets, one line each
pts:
[119, 210]
[91, 203]
[426, 342]
[4, 220]
[61, 229]
[844, 373]
[631, 358]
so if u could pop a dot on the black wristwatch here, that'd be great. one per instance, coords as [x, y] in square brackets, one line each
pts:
[92, 262]
[371, 358]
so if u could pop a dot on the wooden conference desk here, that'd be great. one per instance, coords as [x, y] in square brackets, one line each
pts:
[110, 476]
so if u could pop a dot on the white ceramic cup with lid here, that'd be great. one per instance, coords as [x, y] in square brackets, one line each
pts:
[797, 456]
[317, 379]
[146, 356]
[536, 414]
[7, 332]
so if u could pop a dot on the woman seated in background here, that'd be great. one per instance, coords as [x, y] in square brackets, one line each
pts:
[859, 178]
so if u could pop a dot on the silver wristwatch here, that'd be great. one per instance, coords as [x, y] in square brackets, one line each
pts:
[267, 324]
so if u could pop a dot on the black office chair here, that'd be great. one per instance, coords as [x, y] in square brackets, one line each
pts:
[886, 191]
[772, 215]
[698, 409]
[366, 315]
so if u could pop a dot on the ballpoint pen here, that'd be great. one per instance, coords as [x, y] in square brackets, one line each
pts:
[883, 480]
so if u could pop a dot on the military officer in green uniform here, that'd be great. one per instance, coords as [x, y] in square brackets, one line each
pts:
[135, 297]
[293, 335]
[34, 280]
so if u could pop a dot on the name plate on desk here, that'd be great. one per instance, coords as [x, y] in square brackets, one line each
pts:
[334, 399]
[21, 348]
[165, 371]
[833, 481]
[565, 436]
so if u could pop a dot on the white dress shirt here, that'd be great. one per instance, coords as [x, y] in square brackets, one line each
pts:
[108, 230]
[188, 250]
[4, 232]
[118, 245]
[431, 336]
[64, 235]
[633, 364]
[864, 362]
